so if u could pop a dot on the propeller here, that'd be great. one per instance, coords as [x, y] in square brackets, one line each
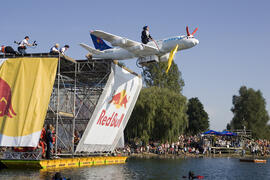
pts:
[192, 34]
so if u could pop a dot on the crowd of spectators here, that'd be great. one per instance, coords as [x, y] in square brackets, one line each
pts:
[201, 145]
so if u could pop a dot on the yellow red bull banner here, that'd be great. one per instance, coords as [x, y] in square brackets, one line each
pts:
[25, 90]
[112, 112]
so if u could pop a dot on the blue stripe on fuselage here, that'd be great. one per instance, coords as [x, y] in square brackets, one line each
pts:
[173, 39]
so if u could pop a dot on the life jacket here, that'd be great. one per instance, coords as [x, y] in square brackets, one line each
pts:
[43, 134]
[53, 136]
[3, 49]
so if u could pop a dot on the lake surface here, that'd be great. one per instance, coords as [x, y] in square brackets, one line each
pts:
[137, 168]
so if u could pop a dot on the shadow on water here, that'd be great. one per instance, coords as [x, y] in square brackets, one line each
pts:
[154, 168]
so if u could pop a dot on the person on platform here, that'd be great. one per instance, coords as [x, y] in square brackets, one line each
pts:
[23, 44]
[146, 37]
[49, 141]
[55, 49]
[64, 49]
[8, 50]
[42, 141]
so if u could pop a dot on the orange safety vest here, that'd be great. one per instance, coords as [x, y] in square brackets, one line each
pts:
[3, 49]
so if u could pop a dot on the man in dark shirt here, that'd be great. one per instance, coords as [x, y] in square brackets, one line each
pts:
[146, 37]
[49, 140]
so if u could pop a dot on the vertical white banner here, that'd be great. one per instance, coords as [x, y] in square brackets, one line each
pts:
[112, 111]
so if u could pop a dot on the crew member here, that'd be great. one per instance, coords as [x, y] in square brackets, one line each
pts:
[64, 49]
[146, 37]
[55, 49]
[23, 44]
[8, 50]
[49, 140]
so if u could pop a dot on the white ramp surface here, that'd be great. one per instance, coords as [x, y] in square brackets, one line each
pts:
[112, 112]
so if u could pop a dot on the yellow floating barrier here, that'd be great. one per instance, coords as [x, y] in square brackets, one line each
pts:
[86, 161]
[64, 162]
[99, 160]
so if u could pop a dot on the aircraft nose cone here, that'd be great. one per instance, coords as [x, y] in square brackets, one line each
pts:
[195, 41]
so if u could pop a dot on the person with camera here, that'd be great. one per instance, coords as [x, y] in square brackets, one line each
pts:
[23, 44]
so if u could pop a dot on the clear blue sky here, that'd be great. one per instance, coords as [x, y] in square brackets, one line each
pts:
[234, 39]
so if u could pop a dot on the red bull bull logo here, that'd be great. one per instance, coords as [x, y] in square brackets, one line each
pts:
[120, 99]
[6, 108]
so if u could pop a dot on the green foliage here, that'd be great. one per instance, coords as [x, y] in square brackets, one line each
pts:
[249, 110]
[159, 115]
[228, 127]
[155, 75]
[197, 117]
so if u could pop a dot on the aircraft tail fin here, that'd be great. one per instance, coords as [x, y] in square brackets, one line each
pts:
[99, 43]
[90, 49]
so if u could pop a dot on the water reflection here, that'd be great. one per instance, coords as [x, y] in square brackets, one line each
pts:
[210, 168]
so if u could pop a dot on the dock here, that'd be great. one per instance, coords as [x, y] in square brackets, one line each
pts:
[75, 162]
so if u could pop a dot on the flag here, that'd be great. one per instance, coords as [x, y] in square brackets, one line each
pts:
[25, 89]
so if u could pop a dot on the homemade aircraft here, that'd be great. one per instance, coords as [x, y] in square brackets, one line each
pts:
[154, 51]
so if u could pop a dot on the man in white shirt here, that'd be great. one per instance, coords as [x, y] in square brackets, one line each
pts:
[64, 49]
[55, 49]
[23, 44]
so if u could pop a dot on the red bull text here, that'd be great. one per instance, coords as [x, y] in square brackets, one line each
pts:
[111, 121]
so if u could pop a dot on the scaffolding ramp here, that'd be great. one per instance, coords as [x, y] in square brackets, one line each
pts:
[80, 90]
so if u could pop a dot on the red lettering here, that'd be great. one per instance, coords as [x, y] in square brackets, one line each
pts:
[109, 120]
[115, 122]
[104, 120]
[101, 116]
[120, 120]
[114, 119]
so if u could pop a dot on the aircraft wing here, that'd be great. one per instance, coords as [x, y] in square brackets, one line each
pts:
[130, 45]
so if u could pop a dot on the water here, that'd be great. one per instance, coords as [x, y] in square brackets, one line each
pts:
[135, 168]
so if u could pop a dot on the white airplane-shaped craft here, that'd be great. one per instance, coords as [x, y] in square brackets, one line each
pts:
[154, 51]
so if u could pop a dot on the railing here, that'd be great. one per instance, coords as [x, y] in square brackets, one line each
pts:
[33, 155]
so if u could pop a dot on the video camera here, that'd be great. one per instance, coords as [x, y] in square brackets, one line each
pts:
[33, 44]
[16, 42]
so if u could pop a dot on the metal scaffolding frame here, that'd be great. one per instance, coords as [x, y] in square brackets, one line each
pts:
[76, 91]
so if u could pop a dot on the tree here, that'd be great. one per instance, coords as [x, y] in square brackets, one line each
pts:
[228, 127]
[197, 117]
[155, 75]
[249, 110]
[159, 115]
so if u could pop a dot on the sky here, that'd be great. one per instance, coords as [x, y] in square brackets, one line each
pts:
[233, 35]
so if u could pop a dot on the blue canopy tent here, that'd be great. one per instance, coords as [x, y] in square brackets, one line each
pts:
[228, 133]
[212, 132]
